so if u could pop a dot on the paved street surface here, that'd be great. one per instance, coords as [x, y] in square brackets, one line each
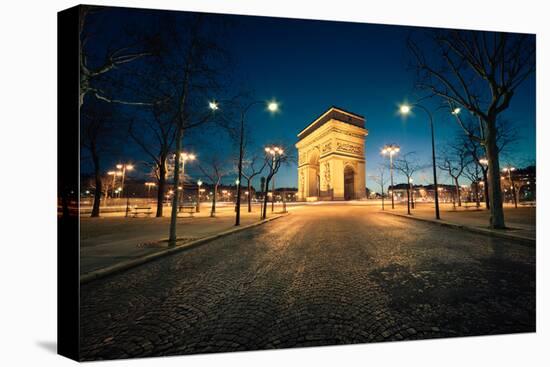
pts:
[109, 240]
[325, 274]
[520, 221]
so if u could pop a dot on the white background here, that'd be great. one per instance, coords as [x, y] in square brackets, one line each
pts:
[28, 182]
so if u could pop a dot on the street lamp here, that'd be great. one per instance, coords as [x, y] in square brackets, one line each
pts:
[509, 170]
[391, 149]
[412, 192]
[123, 167]
[112, 173]
[405, 110]
[274, 152]
[272, 106]
[149, 185]
[484, 162]
[213, 105]
[184, 157]
[199, 184]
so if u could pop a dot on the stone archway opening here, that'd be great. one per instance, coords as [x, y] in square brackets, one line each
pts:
[349, 183]
[314, 177]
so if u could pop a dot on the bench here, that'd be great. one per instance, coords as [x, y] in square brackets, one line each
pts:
[137, 210]
[190, 209]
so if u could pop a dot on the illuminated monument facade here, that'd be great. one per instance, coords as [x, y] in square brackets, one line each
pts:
[331, 157]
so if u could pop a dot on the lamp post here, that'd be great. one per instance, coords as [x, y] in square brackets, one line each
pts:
[272, 107]
[123, 167]
[391, 149]
[184, 157]
[199, 184]
[149, 185]
[238, 188]
[484, 162]
[113, 183]
[405, 110]
[274, 152]
[509, 170]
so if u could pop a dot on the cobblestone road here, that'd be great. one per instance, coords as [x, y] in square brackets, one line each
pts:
[323, 275]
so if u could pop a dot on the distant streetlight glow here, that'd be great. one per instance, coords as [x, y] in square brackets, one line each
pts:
[456, 111]
[187, 156]
[391, 149]
[273, 106]
[213, 105]
[511, 169]
[405, 109]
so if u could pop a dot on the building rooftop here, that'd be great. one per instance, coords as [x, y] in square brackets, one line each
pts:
[333, 113]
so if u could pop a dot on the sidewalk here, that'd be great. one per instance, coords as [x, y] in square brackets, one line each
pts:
[107, 241]
[520, 222]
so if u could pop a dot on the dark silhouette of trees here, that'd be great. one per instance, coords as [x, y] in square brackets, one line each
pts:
[251, 168]
[274, 162]
[453, 159]
[192, 66]
[408, 164]
[215, 170]
[93, 75]
[507, 134]
[98, 135]
[382, 180]
[479, 72]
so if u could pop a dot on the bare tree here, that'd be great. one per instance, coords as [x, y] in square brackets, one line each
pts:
[381, 179]
[480, 72]
[215, 170]
[274, 162]
[473, 171]
[453, 159]
[97, 135]
[507, 134]
[154, 134]
[196, 72]
[251, 168]
[114, 59]
[408, 164]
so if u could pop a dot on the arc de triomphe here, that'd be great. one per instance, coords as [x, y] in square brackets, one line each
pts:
[331, 157]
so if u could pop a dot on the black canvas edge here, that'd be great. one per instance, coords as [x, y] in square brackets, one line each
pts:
[68, 183]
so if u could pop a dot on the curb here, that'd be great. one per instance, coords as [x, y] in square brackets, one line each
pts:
[116, 268]
[488, 232]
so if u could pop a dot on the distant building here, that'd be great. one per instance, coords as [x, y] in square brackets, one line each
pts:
[331, 157]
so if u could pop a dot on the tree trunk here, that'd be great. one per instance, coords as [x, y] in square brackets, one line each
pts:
[264, 212]
[408, 200]
[175, 198]
[486, 190]
[495, 194]
[457, 189]
[161, 189]
[98, 184]
[249, 197]
[213, 209]
[477, 194]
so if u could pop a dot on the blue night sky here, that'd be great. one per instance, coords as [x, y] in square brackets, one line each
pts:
[309, 66]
